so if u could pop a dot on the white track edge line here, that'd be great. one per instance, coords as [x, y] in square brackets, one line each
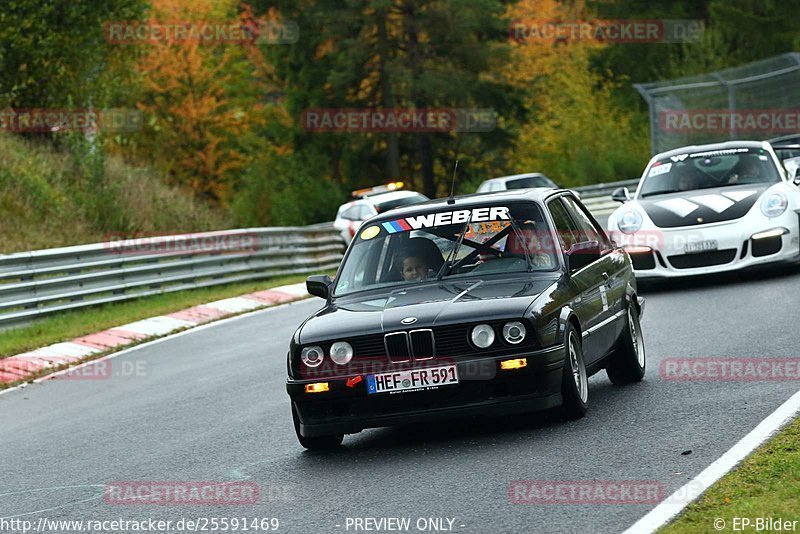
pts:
[166, 337]
[685, 495]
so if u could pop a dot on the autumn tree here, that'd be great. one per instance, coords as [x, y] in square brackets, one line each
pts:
[199, 98]
[577, 133]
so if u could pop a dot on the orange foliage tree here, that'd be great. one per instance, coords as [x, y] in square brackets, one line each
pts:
[576, 133]
[199, 98]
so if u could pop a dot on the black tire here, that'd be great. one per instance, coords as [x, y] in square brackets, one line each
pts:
[316, 443]
[574, 380]
[628, 362]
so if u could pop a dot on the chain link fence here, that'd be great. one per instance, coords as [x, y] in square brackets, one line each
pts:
[754, 101]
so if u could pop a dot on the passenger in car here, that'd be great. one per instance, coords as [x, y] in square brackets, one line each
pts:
[687, 180]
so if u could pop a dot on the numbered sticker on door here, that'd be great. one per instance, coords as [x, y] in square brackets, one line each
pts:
[604, 297]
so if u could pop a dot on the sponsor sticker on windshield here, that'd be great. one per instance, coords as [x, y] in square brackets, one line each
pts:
[663, 168]
[446, 218]
[713, 153]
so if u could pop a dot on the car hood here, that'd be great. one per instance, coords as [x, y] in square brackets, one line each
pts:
[702, 206]
[433, 304]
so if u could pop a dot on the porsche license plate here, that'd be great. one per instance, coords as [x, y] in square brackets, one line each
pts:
[412, 379]
[701, 246]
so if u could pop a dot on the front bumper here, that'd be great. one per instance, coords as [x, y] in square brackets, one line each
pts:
[736, 249]
[483, 389]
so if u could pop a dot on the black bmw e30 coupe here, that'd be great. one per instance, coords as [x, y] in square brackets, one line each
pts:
[482, 304]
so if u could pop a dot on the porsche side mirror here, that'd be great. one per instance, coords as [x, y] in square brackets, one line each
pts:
[621, 195]
[319, 286]
[796, 179]
[582, 254]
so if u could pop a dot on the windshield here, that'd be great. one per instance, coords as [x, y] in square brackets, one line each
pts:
[411, 250]
[703, 170]
[416, 198]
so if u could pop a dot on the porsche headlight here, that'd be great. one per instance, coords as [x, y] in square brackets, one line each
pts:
[482, 336]
[341, 352]
[514, 332]
[312, 356]
[630, 222]
[774, 205]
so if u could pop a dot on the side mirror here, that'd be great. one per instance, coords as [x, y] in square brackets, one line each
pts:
[319, 286]
[621, 195]
[792, 165]
[581, 255]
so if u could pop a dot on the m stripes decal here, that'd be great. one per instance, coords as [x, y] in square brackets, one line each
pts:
[400, 225]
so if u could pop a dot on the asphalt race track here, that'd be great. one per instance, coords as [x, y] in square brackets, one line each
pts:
[211, 406]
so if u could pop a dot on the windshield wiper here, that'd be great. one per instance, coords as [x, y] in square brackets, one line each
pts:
[454, 252]
[664, 192]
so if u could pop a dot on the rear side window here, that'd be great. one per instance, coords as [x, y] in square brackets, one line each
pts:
[588, 230]
[568, 232]
[366, 212]
[352, 213]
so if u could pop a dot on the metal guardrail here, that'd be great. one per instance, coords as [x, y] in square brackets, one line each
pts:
[597, 198]
[41, 282]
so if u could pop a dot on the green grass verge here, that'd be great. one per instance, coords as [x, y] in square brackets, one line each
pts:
[767, 484]
[69, 325]
[48, 198]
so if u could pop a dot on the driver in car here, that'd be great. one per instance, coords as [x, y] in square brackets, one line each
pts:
[535, 248]
[748, 170]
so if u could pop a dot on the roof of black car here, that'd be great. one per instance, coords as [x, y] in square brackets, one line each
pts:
[535, 194]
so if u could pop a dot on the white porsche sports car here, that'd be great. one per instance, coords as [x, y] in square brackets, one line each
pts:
[709, 208]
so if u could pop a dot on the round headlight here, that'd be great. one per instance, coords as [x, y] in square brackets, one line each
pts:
[514, 332]
[482, 336]
[630, 222]
[774, 205]
[341, 352]
[312, 356]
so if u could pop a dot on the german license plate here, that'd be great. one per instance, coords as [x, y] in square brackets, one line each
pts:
[414, 379]
[701, 246]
